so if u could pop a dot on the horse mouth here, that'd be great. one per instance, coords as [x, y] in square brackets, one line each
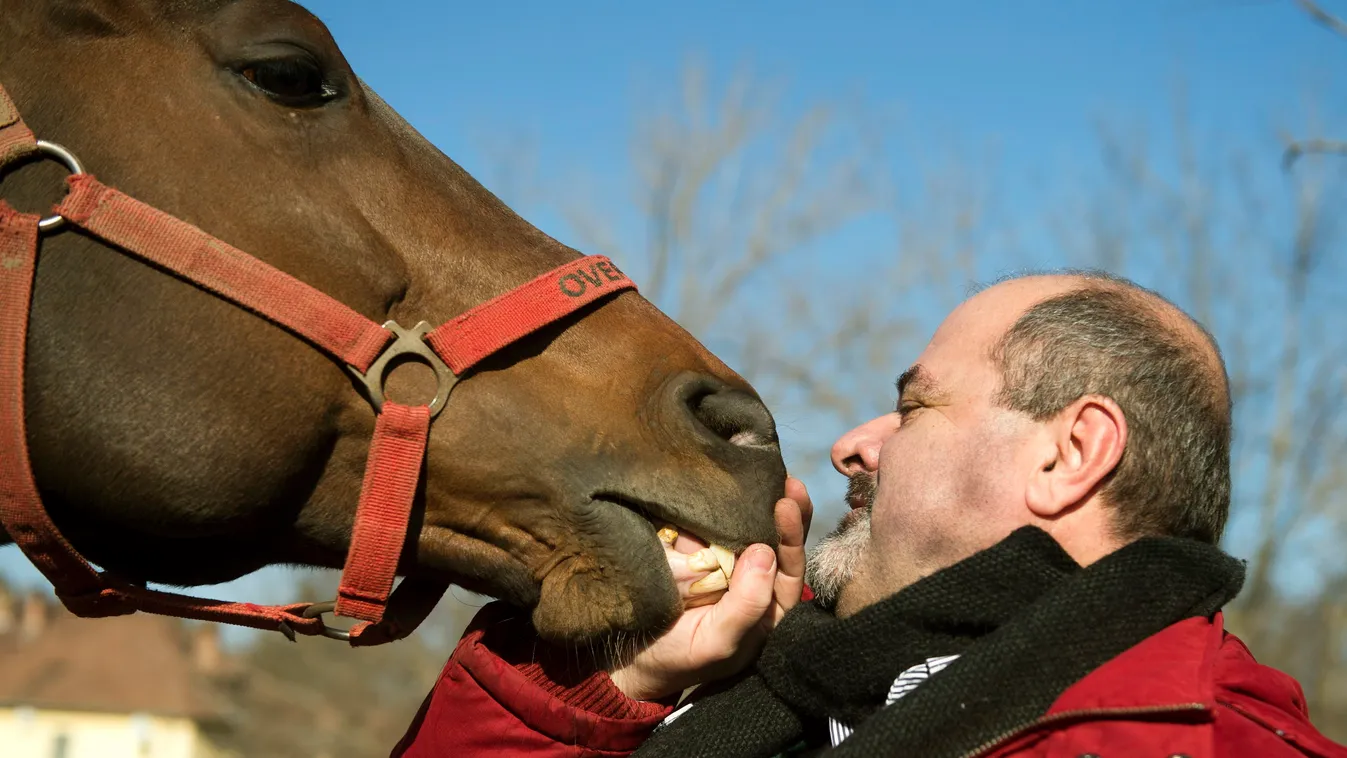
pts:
[658, 514]
[702, 553]
[636, 565]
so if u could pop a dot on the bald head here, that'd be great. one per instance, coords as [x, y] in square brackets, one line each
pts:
[1058, 338]
[1011, 298]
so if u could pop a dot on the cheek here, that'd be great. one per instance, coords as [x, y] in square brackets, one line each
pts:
[992, 486]
[919, 475]
[945, 492]
[933, 477]
[917, 515]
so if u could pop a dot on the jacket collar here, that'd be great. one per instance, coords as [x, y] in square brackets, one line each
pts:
[1174, 666]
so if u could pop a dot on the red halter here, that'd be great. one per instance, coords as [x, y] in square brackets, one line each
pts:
[397, 449]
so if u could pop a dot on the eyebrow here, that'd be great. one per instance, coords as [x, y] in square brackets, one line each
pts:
[916, 379]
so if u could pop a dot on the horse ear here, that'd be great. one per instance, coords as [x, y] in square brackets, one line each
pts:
[91, 18]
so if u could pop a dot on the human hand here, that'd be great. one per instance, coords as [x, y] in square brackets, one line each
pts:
[711, 642]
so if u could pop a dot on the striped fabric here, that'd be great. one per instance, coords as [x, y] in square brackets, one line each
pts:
[677, 712]
[906, 682]
[837, 731]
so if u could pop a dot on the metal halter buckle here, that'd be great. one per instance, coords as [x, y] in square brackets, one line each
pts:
[53, 151]
[316, 610]
[409, 345]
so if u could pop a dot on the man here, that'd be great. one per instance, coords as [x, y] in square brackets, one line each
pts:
[1029, 569]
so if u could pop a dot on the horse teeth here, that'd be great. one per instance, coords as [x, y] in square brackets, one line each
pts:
[725, 558]
[703, 560]
[668, 535]
[713, 582]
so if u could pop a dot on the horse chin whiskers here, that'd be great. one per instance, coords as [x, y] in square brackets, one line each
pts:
[620, 648]
[603, 596]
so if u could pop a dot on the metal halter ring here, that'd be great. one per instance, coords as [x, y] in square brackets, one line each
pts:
[59, 153]
[316, 610]
[410, 344]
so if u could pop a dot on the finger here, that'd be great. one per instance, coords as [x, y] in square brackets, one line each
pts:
[789, 519]
[744, 604]
[795, 490]
[789, 582]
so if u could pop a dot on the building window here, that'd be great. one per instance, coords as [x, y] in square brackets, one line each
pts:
[60, 747]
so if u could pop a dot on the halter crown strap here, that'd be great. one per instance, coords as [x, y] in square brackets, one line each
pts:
[224, 270]
[16, 139]
[397, 448]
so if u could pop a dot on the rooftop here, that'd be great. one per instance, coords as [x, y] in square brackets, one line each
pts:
[140, 663]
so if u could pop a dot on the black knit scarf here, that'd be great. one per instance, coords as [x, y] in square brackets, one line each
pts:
[1026, 620]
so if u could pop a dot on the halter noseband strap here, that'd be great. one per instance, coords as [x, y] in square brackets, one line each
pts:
[397, 449]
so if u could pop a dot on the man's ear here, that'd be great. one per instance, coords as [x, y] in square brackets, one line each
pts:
[1085, 442]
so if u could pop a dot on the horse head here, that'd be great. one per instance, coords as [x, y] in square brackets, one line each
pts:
[178, 439]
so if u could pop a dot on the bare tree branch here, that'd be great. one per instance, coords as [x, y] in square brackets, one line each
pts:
[1312, 147]
[1285, 404]
[1323, 17]
[1296, 149]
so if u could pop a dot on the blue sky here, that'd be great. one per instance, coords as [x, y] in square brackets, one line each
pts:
[1026, 75]
[1029, 74]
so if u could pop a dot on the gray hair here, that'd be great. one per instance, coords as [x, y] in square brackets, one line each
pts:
[1113, 338]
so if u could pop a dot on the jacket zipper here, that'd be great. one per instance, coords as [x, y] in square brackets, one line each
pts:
[1081, 714]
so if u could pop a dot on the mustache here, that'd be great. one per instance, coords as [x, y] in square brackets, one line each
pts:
[861, 489]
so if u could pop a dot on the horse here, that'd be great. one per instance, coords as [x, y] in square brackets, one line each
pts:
[175, 438]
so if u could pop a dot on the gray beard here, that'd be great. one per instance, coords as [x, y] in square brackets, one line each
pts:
[833, 562]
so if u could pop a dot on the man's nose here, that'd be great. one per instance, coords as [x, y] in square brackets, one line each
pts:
[858, 449]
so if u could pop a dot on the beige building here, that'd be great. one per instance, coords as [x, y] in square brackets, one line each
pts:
[135, 686]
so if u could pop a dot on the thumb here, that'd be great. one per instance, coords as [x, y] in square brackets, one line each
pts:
[748, 598]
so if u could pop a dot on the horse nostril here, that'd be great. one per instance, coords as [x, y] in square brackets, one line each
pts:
[733, 415]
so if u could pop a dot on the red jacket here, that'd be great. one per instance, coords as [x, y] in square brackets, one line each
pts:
[1191, 690]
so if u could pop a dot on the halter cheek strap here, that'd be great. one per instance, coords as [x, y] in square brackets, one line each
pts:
[398, 446]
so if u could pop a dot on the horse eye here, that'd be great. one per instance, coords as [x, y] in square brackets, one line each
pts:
[294, 81]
